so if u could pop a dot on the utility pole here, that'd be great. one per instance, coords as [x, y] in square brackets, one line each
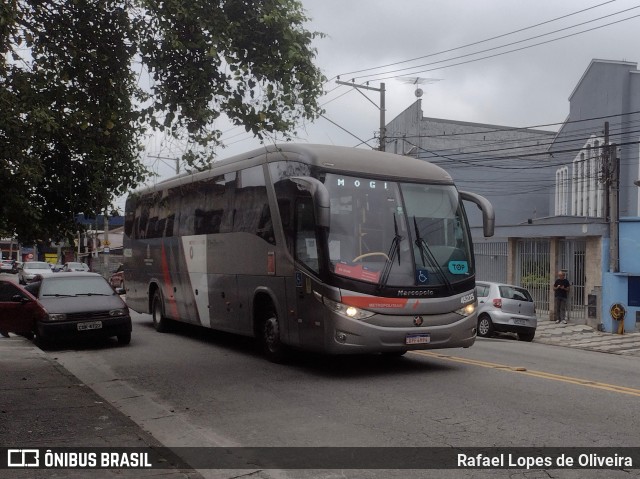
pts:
[611, 173]
[382, 107]
[606, 170]
[105, 244]
[614, 219]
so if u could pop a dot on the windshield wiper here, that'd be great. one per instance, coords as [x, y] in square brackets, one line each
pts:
[94, 294]
[394, 251]
[58, 295]
[427, 254]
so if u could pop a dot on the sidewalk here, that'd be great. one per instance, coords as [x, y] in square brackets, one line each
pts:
[43, 405]
[581, 336]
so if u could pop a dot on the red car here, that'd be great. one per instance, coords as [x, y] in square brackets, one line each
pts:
[20, 310]
[116, 280]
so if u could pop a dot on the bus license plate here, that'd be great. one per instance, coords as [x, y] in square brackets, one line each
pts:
[91, 325]
[420, 338]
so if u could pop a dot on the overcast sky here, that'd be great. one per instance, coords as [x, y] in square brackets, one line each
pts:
[527, 87]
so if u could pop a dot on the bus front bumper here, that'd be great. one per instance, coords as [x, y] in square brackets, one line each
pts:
[349, 336]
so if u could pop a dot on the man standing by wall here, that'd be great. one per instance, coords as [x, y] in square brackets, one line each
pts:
[561, 290]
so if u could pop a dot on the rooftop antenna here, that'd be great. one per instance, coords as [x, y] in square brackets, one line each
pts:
[416, 81]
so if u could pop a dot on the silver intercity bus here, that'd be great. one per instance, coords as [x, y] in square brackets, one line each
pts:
[322, 248]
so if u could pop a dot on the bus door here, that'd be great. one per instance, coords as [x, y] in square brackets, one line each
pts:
[298, 216]
[306, 252]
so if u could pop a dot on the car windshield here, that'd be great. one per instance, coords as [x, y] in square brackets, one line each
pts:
[397, 233]
[36, 265]
[75, 286]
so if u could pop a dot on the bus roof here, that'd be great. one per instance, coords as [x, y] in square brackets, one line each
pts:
[328, 157]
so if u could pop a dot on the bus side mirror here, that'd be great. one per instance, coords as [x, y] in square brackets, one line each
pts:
[320, 196]
[488, 215]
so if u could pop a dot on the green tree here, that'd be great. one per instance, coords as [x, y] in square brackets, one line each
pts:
[75, 102]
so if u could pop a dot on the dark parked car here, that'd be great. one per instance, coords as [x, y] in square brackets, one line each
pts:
[77, 305]
[505, 308]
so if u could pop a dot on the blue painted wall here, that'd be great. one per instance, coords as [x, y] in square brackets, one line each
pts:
[616, 286]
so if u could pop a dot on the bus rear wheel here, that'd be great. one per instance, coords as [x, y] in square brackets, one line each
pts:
[272, 346]
[160, 323]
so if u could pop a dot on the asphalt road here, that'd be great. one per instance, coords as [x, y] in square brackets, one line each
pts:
[196, 387]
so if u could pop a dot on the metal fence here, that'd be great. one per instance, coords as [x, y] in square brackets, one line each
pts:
[491, 261]
[533, 266]
[571, 259]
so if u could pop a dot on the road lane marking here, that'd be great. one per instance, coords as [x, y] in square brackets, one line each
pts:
[539, 374]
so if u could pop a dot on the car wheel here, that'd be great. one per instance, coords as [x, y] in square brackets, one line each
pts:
[124, 339]
[528, 336]
[41, 342]
[272, 346]
[485, 326]
[160, 323]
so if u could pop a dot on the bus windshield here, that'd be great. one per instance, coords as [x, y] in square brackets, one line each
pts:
[397, 234]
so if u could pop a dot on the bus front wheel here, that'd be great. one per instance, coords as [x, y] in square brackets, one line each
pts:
[160, 323]
[272, 346]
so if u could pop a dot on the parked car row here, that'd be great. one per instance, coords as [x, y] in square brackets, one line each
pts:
[28, 270]
[64, 306]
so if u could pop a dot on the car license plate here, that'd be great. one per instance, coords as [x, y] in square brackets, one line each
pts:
[522, 322]
[420, 338]
[90, 325]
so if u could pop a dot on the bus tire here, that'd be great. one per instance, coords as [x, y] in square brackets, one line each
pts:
[160, 323]
[273, 348]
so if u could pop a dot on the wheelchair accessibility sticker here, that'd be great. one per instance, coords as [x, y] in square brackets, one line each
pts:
[422, 276]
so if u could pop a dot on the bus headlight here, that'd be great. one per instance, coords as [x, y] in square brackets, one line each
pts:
[468, 310]
[346, 310]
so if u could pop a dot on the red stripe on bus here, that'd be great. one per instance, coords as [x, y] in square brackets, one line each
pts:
[374, 302]
[167, 281]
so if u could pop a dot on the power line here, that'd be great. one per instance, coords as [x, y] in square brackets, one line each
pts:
[531, 127]
[496, 54]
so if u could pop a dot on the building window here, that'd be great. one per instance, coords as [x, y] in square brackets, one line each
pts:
[562, 191]
[587, 187]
